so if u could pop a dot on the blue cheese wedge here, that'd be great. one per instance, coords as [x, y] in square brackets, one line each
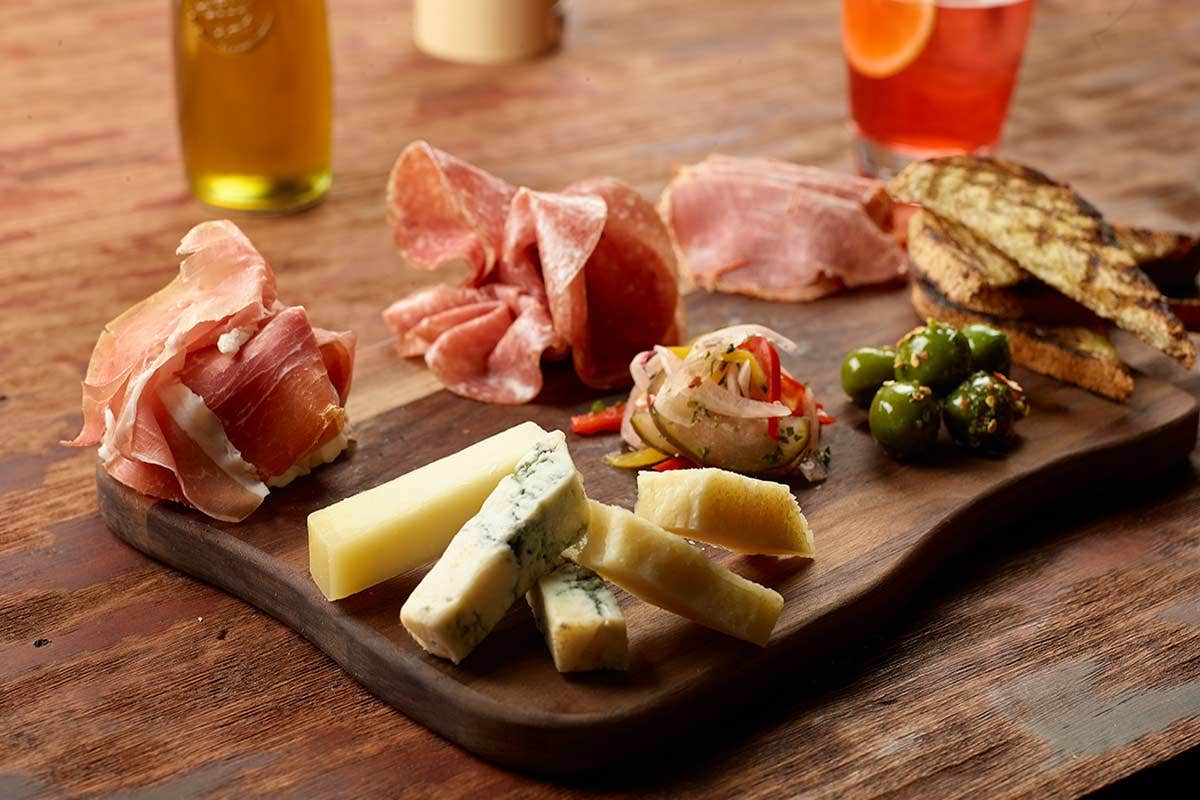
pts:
[580, 618]
[737, 512]
[517, 537]
[664, 570]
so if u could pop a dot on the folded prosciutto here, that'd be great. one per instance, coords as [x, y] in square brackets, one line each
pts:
[779, 231]
[588, 270]
[211, 390]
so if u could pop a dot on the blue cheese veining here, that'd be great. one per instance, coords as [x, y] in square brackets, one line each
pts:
[517, 537]
[580, 618]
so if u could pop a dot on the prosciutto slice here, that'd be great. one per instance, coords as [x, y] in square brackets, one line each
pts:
[779, 231]
[589, 269]
[210, 388]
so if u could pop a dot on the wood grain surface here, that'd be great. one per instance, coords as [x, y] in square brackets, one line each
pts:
[1055, 659]
[881, 528]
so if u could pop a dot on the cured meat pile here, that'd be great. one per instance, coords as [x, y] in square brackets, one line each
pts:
[588, 270]
[779, 231]
[211, 390]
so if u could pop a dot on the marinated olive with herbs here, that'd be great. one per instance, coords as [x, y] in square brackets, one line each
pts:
[989, 348]
[982, 413]
[864, 370]
[904, 419]
[933, 355]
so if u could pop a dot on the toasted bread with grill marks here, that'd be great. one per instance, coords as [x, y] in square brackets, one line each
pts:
[1171, 260]
[1053, 233]
[1075, 354]
[975, 275]
[963, 263]
[1146, 245]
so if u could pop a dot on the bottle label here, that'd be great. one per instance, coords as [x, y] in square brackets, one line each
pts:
[231, 26]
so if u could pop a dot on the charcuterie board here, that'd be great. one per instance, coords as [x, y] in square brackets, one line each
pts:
[879, 526]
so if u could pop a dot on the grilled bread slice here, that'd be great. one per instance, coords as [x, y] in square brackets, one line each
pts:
[963, 264]
[1075, 354]
[1051, 232]
[1147, 245]
[1171, 260]
[973, 274]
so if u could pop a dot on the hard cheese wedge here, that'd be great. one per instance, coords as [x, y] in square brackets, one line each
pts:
[742, 514]
[580, 618]
[517, 537]
[397, 526]
[666, 571]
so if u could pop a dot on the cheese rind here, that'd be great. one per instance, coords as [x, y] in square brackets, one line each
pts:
[382, 532]
[664, 570]
[739, 513]
[517, 537]
[580, 619]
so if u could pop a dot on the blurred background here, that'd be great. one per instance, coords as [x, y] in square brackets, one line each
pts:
[90, 147]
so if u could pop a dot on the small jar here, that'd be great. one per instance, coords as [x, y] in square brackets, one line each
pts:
[486, 31]
[254, 97]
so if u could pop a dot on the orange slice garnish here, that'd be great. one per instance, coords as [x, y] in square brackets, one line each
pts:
[882, 37]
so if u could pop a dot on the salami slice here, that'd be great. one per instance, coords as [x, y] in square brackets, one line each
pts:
[408, 313]
[496, 356]
[590, 269]
[548, 242]
[444, 211]
[631, 286]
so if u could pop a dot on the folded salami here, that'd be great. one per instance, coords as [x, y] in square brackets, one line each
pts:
[588, 270]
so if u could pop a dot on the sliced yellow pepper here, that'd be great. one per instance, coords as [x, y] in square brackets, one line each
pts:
[757, 376]
[636, 458]
[681, 350]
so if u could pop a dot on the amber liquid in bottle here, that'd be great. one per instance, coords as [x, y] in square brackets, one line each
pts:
[254, 95]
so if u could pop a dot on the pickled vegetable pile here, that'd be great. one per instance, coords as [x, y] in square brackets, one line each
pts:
[724, 400]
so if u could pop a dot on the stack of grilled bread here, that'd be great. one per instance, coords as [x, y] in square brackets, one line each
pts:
[1001, 243]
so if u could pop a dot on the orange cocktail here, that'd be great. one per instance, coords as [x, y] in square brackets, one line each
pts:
[930, 77]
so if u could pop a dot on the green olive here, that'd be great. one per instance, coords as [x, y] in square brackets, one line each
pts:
[933, 355]
[989, 348]
[982, 413]
[864, 370]
[905, 419]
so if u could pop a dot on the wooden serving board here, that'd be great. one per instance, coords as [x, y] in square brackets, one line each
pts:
[880, 526]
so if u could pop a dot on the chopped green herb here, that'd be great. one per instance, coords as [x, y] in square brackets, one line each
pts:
[824, 457]
[598, 406]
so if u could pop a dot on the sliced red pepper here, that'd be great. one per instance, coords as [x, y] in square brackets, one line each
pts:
[823, 417]
[768, 359]
[604, 421]
[675, 462]
[792, 393]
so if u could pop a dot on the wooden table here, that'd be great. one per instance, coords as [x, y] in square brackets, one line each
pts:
[1059, 658]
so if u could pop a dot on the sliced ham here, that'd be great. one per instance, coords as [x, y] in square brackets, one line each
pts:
[779, 231]
[210, 387]
[590, 269]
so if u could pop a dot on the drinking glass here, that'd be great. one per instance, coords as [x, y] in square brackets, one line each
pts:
[254, 98]
[930, 77]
